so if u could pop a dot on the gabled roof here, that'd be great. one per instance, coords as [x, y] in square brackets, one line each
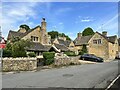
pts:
[62, 42]
[61, 47]
[110, 39]
[82, 40]
[19, 34]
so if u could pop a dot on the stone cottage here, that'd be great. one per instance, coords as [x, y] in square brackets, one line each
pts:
[40, 40]
[69, 44]
[99, 44]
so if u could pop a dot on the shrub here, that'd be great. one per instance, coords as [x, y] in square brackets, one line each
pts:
[49, 57]
[31, 54]
[70, 53]
[19, 54]
[7, 53]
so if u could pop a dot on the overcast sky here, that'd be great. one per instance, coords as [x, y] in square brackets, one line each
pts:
[65, 17]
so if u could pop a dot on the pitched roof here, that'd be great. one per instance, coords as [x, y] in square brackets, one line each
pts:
[112, 39]
[62, 42]
[35, 46]
[61, 47]
[19, 34]
[85, 39]
[82, 40]
[109, 38]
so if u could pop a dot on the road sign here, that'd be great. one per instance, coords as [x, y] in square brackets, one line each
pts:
[2, 43]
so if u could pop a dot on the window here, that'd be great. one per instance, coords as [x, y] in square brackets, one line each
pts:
[97, 41]
[34, 38]
[94, 41]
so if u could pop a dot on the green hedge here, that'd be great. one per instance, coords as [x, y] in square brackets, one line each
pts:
[31, 54]
[19, 54]
[49, 57]
[7, 53]
[70, 53]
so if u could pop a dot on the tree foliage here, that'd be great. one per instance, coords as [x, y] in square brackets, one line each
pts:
[16, 48]
[25, 26]
[84, 50]
[55, 34]
[87, 31]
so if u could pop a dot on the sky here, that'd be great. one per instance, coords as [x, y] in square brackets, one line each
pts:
[64, 17]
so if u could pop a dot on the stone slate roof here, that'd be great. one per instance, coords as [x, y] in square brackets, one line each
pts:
[19, 34]
[82, 40]
[112, 39]
[35, 46]
[85, 39]
[109, 38]
[61, 47]
[62, 42]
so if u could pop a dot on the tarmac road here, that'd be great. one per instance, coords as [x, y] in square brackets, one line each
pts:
[80, 76]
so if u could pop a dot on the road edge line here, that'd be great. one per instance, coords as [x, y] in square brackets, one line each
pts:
[113, 82]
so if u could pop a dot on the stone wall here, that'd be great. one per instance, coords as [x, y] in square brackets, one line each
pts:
[62, 59]
[19, 64]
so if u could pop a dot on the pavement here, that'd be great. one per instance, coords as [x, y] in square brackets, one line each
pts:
[97, 75]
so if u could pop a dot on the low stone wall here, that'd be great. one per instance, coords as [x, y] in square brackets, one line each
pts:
[62, 59]
[19, 64]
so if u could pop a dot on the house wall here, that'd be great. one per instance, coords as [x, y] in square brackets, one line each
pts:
[35, 33]
[100, 50]
[113, 50]
[43, 37]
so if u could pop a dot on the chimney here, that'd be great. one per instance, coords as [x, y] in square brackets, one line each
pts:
[104, 33]
[43, 24]
[79, 35]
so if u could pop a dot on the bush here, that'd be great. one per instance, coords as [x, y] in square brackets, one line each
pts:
[49, 57]
[31, 54]
[7, 53]
[19, 54]
[70, 53]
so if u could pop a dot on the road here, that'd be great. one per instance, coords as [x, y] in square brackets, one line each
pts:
[81, 76]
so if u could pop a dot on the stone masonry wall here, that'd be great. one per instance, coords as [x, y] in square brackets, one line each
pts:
[19, 64]
[62, 59]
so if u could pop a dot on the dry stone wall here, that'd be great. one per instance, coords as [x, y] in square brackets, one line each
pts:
[63, 59]
[19, 64]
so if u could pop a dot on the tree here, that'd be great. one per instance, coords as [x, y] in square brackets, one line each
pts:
[55, 34]
[88, 31]
[84, 50]
[25, 26]
[16, 48]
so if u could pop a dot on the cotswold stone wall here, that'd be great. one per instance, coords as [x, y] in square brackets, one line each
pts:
[62, 59]
[19, 64]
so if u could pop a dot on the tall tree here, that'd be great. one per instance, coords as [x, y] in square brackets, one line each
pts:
[87, 31]
[25, 26]
[55, 34]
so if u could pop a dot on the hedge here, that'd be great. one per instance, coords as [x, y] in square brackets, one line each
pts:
[70, 53]
[49, 57]
[31, 54]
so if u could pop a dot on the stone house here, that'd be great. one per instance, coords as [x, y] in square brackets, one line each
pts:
[37, 34]
[40, 40]
[64, 43]
[99, 44]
